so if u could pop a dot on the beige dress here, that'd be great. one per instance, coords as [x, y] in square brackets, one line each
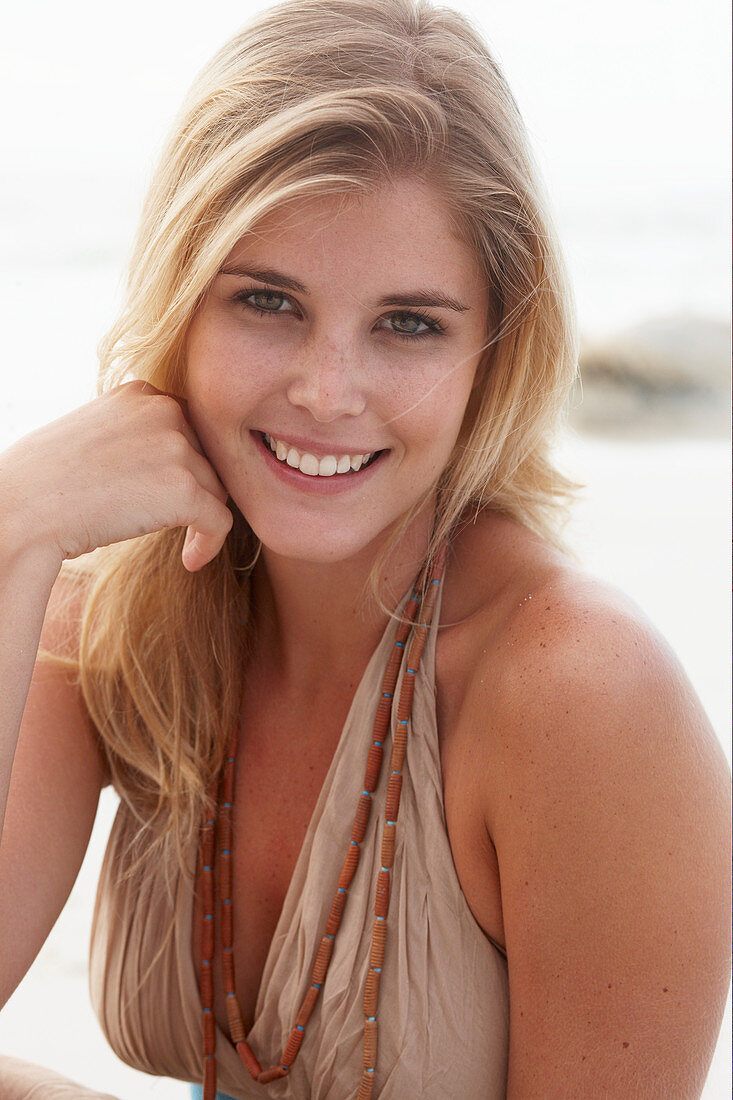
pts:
[443, 1002]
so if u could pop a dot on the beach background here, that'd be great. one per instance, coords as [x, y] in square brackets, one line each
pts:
[627, 107]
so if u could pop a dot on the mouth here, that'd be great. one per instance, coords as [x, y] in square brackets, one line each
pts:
[318, 466]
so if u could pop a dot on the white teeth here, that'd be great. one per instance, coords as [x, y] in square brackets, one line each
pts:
[312, 466]
[327, 466]
[308, 465]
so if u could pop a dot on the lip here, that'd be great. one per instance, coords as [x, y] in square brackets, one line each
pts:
[319, 450]
[339, 483]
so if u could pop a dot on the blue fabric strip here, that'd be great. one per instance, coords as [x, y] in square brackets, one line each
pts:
[197, 1093]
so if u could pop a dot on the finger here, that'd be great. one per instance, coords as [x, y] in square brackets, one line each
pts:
[188, 554]
[207, 533]
[183, 422]
[192, 556]
[199, 549]
[189, 432]
[207, 476]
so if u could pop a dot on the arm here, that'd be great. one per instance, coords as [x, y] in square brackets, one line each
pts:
[606, 801]
[57, 774]
[23, 1081]
[122, 466]
[26, 580]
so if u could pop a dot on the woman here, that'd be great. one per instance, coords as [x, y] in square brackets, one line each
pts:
[410, 806]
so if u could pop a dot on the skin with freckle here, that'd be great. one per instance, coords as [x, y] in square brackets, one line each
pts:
[327, 370]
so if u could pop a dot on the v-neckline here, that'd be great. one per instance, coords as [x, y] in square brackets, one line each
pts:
[224, 1041]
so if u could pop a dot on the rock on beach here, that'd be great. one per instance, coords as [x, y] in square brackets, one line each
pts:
[667, 376]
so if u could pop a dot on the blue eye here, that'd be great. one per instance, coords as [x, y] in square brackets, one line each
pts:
[408, 325]
[405, 324]
[263, 301]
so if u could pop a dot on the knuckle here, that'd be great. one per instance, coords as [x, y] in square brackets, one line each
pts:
[132, 390]
[167, 416]
[163, 404]
[176, 445]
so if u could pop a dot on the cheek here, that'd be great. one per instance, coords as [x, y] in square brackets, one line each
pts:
[224, 375]
[432, 414]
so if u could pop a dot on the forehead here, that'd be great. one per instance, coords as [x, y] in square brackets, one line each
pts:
[402, 229]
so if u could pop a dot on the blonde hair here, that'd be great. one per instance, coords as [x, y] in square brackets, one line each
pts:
[313, 97]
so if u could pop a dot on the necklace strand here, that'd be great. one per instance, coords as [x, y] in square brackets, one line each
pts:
[220, 821]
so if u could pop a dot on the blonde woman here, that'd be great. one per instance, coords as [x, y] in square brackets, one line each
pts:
[410, 807]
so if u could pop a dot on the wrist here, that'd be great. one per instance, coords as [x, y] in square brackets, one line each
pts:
[22, 542]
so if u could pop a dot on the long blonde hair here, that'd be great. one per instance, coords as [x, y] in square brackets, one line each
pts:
[314, 96]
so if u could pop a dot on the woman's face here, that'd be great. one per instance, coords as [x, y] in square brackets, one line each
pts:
[329, 368]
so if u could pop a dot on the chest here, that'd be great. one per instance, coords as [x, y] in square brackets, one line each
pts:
[281, 767]
[282, 763]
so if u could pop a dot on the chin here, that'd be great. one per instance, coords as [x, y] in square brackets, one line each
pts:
[318, 544]
[322, 548]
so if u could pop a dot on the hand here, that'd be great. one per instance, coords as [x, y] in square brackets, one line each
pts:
[126, 464]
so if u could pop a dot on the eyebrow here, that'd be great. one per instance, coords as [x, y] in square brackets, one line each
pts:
[423, 297]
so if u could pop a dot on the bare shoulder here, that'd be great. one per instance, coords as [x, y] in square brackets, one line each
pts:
[604, 795]
[558, 661]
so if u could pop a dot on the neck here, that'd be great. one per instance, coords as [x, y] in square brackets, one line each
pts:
[314, 621]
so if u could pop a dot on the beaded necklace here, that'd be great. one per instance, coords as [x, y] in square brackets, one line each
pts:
[221, 823]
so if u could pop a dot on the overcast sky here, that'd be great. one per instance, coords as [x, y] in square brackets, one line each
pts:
[637, 89]
[627, 105]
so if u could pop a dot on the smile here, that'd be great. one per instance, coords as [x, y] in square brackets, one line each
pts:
[309, 464]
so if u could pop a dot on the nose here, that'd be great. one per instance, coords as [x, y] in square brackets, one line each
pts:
[327, 382]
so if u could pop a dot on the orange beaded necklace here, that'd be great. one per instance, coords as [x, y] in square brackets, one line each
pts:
[422, 600]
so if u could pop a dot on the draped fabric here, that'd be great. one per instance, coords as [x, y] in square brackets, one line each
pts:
[443, 1002]
[24, 1081]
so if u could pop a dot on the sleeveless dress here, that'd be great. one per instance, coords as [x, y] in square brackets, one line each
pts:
[443, 1003]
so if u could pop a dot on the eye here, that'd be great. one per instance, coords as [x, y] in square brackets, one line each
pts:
[264, 301]
[410, 325]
